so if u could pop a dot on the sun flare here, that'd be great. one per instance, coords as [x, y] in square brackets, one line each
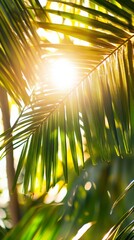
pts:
[63, 74]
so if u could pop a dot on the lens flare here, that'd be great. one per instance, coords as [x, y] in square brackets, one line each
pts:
[63, 74]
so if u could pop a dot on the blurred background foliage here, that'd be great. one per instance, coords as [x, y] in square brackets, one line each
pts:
[88, 200]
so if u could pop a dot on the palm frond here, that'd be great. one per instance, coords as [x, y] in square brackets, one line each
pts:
[128, 188]
[119, 231]
[20, 50]
[54, 118]
[99, 109]
[35, 216]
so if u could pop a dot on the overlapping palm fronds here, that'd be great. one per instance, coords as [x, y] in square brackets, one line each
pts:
[98, 110]
[20, 49]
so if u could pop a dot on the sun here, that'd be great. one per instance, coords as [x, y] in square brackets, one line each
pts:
[63, 74]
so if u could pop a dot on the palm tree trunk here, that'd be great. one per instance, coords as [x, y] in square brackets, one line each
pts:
[13, 204]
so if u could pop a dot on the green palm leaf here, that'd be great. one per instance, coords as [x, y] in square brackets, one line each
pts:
[17, 56]
[100, 104]
[127, 232]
